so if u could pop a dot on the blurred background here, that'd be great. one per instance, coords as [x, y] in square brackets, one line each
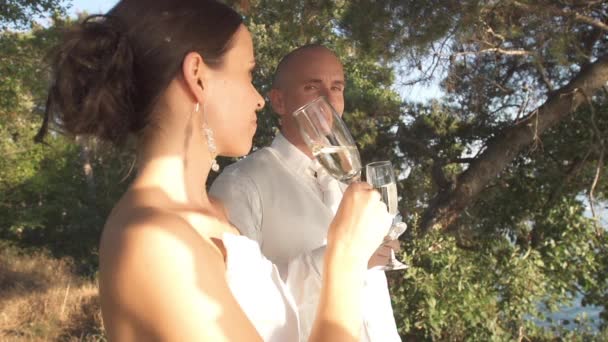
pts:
[495, 114]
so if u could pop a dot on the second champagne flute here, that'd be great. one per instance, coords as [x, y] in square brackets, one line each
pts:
[381, 176]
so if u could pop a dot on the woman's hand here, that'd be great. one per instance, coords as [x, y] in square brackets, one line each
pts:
[360, 225]
[354, 235]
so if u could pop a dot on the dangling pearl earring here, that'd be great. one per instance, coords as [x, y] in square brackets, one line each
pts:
[210, 140]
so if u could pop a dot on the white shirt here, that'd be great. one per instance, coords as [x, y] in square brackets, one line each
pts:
[273, 197]
[259, 290]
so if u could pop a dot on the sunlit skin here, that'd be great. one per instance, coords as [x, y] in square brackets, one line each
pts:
[162, 261]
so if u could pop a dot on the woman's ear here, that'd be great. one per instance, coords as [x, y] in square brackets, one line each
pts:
[194, 70]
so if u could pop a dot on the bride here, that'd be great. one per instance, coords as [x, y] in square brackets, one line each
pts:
[176, 75]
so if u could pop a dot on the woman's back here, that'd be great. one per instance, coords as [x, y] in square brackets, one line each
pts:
[162, 278]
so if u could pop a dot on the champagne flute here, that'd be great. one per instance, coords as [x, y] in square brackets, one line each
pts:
[381, 176]
[329, 140]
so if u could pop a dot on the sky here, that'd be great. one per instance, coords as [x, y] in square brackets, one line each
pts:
[91, 6]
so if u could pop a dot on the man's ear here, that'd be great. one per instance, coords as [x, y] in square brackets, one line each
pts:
[194, 70]
[276, 101]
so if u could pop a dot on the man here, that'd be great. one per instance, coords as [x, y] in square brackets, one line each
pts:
[282, 198]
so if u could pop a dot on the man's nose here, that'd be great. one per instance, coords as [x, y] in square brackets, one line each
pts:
[330, 96]
[335, 103]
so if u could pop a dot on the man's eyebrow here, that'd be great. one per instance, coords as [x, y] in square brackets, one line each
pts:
[316, 80]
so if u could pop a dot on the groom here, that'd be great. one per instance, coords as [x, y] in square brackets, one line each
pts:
[281, 197]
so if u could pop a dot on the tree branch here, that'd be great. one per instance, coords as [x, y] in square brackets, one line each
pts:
[523, 107]
[495, 50]
[417, 144]
[462, 160]
[438, 175]
[565, 12]
[571, 173]
[543, 74]
[447, 205]
[596, 178]
[494, 34]
[600, 161]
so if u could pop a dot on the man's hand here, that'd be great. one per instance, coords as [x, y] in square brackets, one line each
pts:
[383, 253]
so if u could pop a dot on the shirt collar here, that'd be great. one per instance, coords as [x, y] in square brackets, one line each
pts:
[295, 159]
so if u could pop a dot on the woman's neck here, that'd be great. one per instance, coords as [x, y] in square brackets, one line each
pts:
[175, 179]
[177, 162]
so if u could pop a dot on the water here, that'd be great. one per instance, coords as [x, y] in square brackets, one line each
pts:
[566, 316]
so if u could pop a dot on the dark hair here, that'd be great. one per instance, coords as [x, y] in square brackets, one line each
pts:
[110, 70]
[284, 63]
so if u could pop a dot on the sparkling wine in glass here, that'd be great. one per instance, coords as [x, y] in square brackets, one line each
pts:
[381, 176]
[341, 162]
[329, 139]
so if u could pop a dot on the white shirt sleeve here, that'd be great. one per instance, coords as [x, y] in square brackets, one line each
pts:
[240, 197]
[304, 280]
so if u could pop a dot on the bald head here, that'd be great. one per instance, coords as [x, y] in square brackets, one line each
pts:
[295, 58]
[303, 75]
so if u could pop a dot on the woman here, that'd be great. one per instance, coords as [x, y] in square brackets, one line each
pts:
[177, 75]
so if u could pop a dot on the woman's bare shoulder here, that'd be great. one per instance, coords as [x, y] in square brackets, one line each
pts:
[150, 234]
[155, 265]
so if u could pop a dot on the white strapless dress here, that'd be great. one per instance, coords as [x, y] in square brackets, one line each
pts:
[257, 286]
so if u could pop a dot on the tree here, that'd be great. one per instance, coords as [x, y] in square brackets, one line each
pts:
[512, 151]
[496, 177]
[515, 70]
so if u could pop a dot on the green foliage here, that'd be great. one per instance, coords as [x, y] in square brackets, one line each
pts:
[457, 294]
[23, 69]
[492, 290]
[44, 203]
[43, 186]
[525, 247]
[20, 14]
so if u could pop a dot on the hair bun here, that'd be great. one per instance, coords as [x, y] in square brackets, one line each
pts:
[93, 80]
[111, 71]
